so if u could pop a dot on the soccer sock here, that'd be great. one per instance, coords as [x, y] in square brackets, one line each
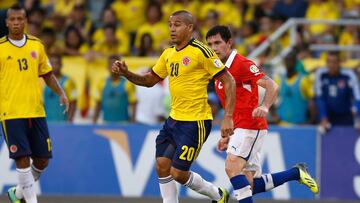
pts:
[168, 190]
[36, 172]
[265, 183]
[242, 189]
[18, 192]
[26, 183]
[198, 184]
[270, 181]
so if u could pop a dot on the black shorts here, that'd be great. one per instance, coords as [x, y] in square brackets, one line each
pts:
[181, 141]
[27, 137]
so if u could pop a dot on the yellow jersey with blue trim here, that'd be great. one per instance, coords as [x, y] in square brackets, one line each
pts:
[189, 70]
[20, 68]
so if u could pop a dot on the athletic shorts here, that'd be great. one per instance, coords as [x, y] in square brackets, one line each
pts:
[27, 137]
[247, 144]
[181, 141]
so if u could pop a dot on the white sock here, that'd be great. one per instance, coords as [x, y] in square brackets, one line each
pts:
[26, 183]
[198, 184]
[18, 192]
[168, 189]
[36, 174]
[269, 183]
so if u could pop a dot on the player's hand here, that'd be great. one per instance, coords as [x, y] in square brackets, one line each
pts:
[357, 124]
[64, 101]
[324, 126]
[119, 67]
[227, 126]
[260, 112]
[223, 144]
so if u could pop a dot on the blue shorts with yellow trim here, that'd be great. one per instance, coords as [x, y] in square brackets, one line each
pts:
[27, 137]
[181, 141]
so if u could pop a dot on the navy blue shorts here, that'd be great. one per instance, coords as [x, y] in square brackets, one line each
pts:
[181, 141]
[27, 137]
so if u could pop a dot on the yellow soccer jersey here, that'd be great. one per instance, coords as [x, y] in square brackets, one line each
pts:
[20, 67]
[189, 71]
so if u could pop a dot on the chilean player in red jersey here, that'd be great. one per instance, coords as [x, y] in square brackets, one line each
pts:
[242, 164]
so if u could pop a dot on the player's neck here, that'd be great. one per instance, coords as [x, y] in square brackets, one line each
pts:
[226, 57]
[182, 44]
[291, 73]
[16, 36]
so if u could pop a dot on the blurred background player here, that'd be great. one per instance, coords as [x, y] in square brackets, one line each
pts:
[150, 107]
[190, 65]
[337, 91]
[115, 97]
[244, 146]
[22, 112]
[54, 112]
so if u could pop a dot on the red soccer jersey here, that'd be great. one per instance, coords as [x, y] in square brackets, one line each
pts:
[246, 74]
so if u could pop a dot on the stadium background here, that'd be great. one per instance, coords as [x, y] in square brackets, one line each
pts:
[106, 159]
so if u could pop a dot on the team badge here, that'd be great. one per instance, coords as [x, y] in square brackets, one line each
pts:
[186, 61]
[33, 54]
[218, 63]
[254, 69]
[341, 84]
[13, 148]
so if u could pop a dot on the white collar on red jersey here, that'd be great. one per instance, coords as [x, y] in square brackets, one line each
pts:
[231, 58]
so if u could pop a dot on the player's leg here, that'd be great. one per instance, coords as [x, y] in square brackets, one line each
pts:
[242, 148]
[165, 149]
[186, 152]
[262, 183]
[298, 173]
[16, 135]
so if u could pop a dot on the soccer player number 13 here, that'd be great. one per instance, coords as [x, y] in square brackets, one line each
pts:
[22, 64]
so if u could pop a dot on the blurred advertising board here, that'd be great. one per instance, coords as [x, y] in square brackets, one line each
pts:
[120, 160]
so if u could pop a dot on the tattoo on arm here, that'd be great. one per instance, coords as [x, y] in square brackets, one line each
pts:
[136, 78]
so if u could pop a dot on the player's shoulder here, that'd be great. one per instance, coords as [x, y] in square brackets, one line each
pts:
[206, 51]
[3, 40]
[31, 37]
[34, 39]
[245, 63]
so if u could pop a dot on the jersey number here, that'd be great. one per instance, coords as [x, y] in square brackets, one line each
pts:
[174, 69]
[22, 64]
[49, 144]
[188, 153]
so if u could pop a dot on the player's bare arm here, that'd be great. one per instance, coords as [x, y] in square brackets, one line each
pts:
[271, 92]
[227, 126]
[53, 83]
[148, 80]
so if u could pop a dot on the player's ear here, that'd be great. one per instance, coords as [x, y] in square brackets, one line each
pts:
[231, 42]
[191, 26]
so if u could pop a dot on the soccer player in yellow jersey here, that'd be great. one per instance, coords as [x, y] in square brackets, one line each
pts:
[190, 65]
[22, 61]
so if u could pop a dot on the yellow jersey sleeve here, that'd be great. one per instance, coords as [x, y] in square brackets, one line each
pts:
[99, 90]
[130, 89]
[214, 66]
[306, 87]
[160, 67]
[70, 90]
[44, 64]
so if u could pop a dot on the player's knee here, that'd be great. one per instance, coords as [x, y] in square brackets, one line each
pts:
[40, 163]
[234, 165]
[163, 166]
[180, 176]
[22, 162]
